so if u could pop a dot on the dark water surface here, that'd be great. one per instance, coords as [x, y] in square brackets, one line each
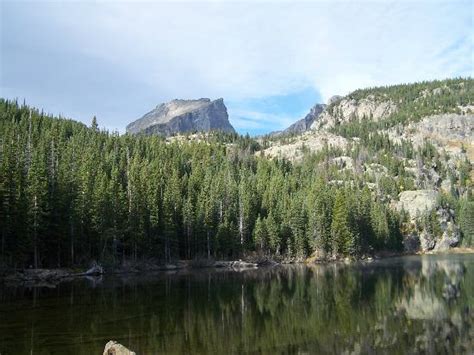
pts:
[416, 304]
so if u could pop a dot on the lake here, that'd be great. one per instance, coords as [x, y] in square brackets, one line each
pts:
[405, 305]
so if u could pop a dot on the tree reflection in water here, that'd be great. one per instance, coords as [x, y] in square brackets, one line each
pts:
[400, 305]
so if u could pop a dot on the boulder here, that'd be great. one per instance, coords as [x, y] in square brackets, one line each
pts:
[417, 202]
[114, 348]
[95, 269]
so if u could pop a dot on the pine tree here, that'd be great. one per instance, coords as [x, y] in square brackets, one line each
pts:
[94, 124]
[260, 235]
[466, 222]
[274, 241]
[298, 226]
[37, 204]
[340, 231]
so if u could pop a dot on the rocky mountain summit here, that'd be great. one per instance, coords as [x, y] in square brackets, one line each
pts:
[184, 116]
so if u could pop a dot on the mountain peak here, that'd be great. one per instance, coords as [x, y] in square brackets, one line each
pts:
[182, 116]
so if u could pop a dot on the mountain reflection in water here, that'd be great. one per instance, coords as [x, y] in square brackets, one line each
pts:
[415, 304]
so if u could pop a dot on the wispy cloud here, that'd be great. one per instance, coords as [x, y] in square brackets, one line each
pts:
[119, 59]
[259, 122]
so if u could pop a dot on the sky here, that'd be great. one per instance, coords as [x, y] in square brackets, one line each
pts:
[271, 61]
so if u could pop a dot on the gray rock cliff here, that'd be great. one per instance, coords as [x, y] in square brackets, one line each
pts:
[344, 109]
[184, 116]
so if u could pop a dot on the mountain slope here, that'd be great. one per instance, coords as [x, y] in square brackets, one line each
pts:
[411, 145]
[380, 110]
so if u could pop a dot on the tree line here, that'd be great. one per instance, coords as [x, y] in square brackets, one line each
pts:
[71, 193]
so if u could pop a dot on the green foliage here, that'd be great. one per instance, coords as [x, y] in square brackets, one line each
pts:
[341, 233]
[71, 193]
[414, 101]
[431, 224]
[466, 221]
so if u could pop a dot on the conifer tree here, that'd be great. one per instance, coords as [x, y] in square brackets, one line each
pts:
[341, 234]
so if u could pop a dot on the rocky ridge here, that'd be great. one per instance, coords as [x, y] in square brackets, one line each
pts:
[342, 110]
[305, 123]
[450, 134]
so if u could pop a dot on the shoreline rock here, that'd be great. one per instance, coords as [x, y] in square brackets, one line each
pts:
[114, 348]
[52, 277]
[239, 264]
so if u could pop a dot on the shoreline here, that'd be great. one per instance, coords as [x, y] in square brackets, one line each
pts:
[52, 277]
[456, 250]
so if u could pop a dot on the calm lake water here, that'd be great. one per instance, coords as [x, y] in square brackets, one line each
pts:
[416, 304]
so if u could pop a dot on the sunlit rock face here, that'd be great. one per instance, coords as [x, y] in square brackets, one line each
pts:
[417, 202]
[184, 116]
[346, 109]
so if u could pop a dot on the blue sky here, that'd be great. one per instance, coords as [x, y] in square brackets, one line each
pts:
[270, 60]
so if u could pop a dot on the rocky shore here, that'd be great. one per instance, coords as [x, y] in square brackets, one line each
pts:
[52, 277]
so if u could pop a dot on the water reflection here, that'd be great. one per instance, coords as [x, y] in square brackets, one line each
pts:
[401, 305]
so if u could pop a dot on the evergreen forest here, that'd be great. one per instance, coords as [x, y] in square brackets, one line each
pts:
[72, 193]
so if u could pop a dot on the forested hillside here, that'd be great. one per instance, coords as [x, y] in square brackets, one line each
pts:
[70, 193]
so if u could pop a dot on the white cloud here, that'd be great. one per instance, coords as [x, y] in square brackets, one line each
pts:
[258, 49]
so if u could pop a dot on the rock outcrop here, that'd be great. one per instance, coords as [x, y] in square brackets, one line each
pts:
[445, 237]
[451, 235]
[417, 202]
[314, 128]
[184, 116]
[451, 132]
[311, 141]
[346, 109]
